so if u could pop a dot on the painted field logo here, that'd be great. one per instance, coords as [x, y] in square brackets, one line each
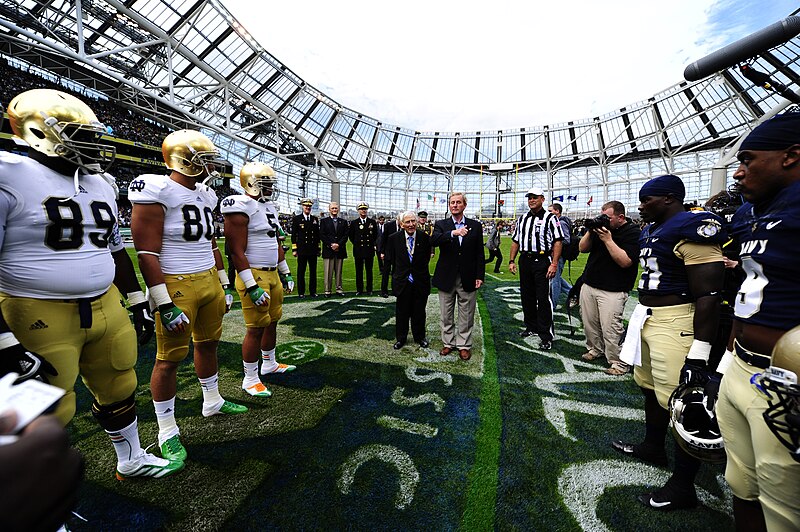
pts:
[300, 352]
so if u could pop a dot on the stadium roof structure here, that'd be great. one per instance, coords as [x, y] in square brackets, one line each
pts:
[189, 63]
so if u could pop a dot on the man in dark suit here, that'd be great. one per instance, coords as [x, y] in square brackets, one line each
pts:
[409, 251]
[458, 275]
[381, 221]
[389, 228]
[363, 233]
[305, 246]
[333, 232]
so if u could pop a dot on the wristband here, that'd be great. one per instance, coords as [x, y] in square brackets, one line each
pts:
[223, 277]
[283, 267]
[700, 350]
[7, 339]
[134, 298]
[725, 362]
[160, 295]
[247, 278]
[511, 261]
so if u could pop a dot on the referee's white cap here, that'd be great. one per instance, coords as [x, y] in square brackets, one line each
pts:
[535, 191]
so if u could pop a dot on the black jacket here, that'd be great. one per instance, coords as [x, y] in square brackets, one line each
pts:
[305, 235]
[330, 234]
[465, 259]
[397, 255]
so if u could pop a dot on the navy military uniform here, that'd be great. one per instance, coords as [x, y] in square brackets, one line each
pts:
[363, 234]
[305, 244]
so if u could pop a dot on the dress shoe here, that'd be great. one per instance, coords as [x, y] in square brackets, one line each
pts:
[340, 292]
[424, 343]
[545, 345]
[464, 354]
[384, 294]
[446, 351]
[398, 344]
[369, 292]
[301, 296]
[526, 333]
[314, 295]
[359, 293]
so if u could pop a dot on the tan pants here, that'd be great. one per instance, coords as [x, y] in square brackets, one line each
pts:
[457, 336]
[331, 267]
[601, 313]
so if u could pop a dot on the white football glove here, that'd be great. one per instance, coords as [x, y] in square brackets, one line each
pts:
[172, 317]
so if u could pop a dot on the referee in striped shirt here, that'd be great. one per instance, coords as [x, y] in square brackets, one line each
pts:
[537, 241]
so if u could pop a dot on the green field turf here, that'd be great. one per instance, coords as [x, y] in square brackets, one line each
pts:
[363, 437]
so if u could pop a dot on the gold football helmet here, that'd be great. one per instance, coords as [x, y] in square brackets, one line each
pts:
[259, 180]
[191, 153]
[60, 125]
[780, 384]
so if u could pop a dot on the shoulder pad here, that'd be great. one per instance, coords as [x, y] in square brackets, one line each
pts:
[238, 203]
[702, 226]
[148, 188]
[208, 193]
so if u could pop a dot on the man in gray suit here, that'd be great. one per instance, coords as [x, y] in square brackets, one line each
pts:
[458, 275]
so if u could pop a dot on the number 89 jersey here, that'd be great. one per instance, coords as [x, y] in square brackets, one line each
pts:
[188, 221]
[770, 294]
[56, 242]
[262, 229]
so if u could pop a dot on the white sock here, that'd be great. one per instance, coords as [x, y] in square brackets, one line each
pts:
[268, 362]
[211, 397]
[165, 414]
[126, 442]
[251, 371]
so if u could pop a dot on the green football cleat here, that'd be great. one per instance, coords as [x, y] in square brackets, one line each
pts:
[173, 449]
[147, 465]
[226, 407]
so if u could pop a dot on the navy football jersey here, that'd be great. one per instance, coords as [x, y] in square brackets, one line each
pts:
[770, 293]
[664, 273]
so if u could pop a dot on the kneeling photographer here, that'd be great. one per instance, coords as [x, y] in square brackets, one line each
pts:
[612, 242]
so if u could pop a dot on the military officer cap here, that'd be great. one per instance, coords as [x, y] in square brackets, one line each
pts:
[306, 202]
[362, 205]
[422, 214]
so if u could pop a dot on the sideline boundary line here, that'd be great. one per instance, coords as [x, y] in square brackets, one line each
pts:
[482, 480]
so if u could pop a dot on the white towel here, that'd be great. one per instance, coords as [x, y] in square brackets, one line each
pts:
[631, 352]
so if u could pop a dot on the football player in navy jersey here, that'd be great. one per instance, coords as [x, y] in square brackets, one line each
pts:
[173, 230]
[60, 252]
[763, 477]
[681, 257]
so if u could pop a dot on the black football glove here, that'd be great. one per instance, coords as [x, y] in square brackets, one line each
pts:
[711, 390]
[27, 364]
[693, 372]
[143, 322]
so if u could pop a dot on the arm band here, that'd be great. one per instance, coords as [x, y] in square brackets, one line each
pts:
[725, 362]
[247, 278]
[223, 278]
[134, 298]
[700, 350]
[148, 253]
[160, 294]
[283, 267]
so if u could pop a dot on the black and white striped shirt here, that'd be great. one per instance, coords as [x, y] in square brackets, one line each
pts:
[536, 232]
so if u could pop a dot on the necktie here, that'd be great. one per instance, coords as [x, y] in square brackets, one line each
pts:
[410, 256]
[459, 225]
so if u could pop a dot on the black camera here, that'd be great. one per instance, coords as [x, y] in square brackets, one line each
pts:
[596, 223]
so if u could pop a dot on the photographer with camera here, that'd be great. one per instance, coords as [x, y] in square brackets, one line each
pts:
[612, 242]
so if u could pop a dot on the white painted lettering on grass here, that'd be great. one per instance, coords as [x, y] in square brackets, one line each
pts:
[554, 412]
[407, 471]
[403, 425]
[433, 398]
[582, 485]
[413, 375]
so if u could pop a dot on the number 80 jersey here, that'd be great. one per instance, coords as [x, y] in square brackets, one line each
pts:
[57, 243]
[188, 221]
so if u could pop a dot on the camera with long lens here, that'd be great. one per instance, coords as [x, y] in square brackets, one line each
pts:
[597, 222]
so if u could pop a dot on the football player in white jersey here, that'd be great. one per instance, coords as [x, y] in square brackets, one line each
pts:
[173, 230]
[252, 231]
[58, 231]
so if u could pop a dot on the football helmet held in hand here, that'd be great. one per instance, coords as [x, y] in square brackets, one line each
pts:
[259, 181]
[58, 124]
[779, 382]
[694, 424]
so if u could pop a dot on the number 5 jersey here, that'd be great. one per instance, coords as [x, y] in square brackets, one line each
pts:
[188, 221]
[55, 243]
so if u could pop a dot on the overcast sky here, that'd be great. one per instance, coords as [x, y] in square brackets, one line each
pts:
[456, 65]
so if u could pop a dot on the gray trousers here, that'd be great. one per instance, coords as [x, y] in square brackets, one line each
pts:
[331, 267]
[457, 335]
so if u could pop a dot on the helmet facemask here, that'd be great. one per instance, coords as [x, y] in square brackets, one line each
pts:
[783, 414]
